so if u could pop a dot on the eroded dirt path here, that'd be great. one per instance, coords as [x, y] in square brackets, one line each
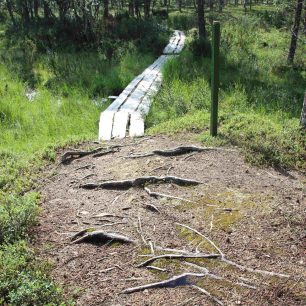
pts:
[256, 216]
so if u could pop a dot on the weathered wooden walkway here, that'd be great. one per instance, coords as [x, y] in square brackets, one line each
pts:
[125, 116]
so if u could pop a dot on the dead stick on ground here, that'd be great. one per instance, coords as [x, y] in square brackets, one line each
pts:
[162, 195]
[140, 182]
[208, 294]
[152, 247]
[232, 263]
[140, 232]
[171, 167]
[156, 268]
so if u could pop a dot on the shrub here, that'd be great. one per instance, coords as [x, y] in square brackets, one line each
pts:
[24, 280]
[182, 21]
[17, 216]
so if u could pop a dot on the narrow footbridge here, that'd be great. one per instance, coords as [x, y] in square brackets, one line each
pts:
[126, 115]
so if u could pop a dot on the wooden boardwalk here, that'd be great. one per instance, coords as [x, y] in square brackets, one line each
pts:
[126, 115]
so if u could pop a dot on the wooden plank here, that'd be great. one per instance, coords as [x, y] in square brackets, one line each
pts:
[172, 43]
[135, 100]
[121, 119]
[106, 125]
[124, 95]
[137, 125]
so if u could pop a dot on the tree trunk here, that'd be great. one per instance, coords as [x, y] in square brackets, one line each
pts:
[36, 5]
[25, 12]
[106, 8]
[10, 11]
[47, 11]
[211, 4]
[295, 31]
[180, 5]
[221, 3]
[201, 20]
[146, 8]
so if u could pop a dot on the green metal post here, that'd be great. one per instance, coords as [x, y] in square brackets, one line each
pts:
[215, 60]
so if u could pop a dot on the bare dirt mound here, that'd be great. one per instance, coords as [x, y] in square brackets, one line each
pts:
[227, 233]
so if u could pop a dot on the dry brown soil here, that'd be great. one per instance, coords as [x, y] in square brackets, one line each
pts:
[263, 228]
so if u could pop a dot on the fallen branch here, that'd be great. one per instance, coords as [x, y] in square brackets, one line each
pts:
[140, 182]
[162, 195]
[101, 237]
[178, 256]
[180, 280]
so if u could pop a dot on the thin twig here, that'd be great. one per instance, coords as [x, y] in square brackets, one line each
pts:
[163, 195]
[208, 294]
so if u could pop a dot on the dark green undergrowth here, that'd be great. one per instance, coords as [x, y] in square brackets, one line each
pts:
[24, 280]
[260, 95]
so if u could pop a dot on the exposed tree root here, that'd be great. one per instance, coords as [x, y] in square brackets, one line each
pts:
[82, 232]
[156, 268]
[173, 152]
[98, 236]
[69, 156]
[232, 263]
[152, 208]
[104, 215]
[140, 182]
[162, 195]
[214, 276]
[178, 256]
[105, 152]
[179, 280]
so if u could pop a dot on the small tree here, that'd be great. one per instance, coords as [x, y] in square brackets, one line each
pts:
[201, 20]
[295, 31]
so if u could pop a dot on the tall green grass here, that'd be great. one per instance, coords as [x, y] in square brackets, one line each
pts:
[68, 91]
[260, 95]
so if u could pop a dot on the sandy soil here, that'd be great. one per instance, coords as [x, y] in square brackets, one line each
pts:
[256, 217]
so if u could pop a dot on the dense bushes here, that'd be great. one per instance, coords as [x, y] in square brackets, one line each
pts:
[182, 21]
[17, 215]
[24, 280]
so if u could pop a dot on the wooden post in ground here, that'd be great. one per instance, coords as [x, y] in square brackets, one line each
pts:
[215, 60]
